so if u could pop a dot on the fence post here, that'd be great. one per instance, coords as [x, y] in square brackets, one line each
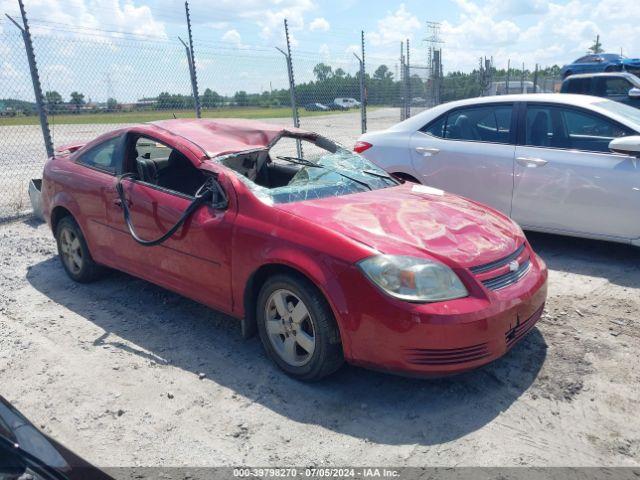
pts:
[506, 91]
[363, 87]
[194, 87]
[35, 79]
[535, 80]
[403, 93]
[407, 78]
[292, 85]
[192, 64]
[522, 79]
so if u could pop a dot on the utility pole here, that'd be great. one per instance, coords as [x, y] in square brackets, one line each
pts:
[434, 60]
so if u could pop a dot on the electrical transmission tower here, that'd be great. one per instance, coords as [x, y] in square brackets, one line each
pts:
[434, 61]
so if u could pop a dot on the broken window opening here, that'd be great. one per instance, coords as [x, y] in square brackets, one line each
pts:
[276, 175]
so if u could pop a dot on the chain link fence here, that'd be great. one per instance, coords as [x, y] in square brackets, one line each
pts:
[22, 151]
[140, 79]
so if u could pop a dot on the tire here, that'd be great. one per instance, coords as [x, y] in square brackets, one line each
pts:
[285, 292]
[74, 252]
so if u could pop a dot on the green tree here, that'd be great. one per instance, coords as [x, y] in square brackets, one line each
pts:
[53, 99]
[77, 99]
[322, 72]
[382, 73]
[241, 98]
[112, 104]
[596, 47]
[211, 99]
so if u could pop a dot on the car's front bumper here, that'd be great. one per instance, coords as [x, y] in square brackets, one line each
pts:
[440, 338]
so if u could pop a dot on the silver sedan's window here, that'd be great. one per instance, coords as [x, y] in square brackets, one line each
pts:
[631, 114]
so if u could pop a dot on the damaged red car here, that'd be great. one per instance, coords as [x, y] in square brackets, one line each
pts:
[310, 245]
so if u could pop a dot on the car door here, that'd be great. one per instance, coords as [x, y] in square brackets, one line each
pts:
[94, 176]
[195, 261]
[469, 151]
[612, 87]
[567, 180]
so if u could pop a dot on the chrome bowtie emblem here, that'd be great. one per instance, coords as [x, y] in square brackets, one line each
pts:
[514, 266]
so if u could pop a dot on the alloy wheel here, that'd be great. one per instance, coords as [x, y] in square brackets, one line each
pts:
[290, 327]
[71, 250]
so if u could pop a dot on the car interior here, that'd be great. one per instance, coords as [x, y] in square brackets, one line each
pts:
[263, 167]
[568, 129]
[158, 164]
[482, 125]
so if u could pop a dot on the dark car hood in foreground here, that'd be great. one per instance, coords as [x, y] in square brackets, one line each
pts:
[18, 430]
[412, 219]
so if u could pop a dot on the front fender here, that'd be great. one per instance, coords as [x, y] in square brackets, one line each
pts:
[321, 270]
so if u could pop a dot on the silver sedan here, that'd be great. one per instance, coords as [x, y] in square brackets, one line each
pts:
[554, 163]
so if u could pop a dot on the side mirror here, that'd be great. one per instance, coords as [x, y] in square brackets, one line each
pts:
[634, 92]
[626, 145]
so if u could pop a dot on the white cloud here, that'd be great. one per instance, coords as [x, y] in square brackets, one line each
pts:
[395, 27]
[87, 18]
[553, 32]
[319, 24]
[232, 36]
[8, 71]
[325, 53]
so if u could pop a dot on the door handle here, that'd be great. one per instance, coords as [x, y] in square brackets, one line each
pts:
[427, 151]
[531, 162]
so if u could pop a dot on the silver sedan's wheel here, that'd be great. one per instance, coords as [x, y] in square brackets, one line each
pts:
[290, 327]
[71, 250]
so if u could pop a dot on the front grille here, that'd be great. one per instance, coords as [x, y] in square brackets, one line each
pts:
[447, 356]
[519, 331]
[509, 278]
[497, 263]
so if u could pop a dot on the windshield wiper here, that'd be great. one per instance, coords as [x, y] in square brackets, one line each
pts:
[300, 161]
[307, 163]
[380, 175]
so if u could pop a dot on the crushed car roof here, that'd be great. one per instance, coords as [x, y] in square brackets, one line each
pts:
[224, 136]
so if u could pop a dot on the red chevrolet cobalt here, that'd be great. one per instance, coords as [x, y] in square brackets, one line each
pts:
[314, 247]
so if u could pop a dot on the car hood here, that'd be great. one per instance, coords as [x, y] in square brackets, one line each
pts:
[416, 220]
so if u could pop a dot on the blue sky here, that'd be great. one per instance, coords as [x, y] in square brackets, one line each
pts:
[235, 39]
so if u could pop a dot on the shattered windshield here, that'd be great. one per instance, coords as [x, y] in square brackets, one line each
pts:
[281, 174]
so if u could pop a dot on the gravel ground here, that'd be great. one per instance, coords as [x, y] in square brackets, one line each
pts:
[128, 374]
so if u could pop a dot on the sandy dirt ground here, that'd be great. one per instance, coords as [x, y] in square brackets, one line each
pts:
[128, 374]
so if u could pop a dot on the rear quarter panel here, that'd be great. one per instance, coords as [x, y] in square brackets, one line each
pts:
[390, 151]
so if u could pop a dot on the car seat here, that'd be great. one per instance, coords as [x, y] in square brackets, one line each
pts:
[539, 133]
[180, 175]
[465, 129]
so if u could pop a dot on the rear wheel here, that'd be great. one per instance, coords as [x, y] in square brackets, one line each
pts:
[297, 328]
[74, 252]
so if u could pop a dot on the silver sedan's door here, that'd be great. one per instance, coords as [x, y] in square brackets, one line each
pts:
[566, 180]
[469, 151]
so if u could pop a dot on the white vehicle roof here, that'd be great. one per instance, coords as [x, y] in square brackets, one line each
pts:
[624, 114]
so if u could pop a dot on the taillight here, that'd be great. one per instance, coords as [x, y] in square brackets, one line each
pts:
[360, 147]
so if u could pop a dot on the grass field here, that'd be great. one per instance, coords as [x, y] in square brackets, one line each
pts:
[148, 116]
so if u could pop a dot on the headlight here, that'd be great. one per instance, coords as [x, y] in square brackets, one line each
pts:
[413, 279]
